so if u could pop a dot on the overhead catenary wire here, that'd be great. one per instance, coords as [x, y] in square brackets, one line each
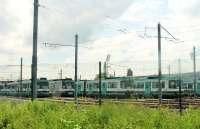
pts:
[186, 31]
[61, 45]
[185, 59]
[169, 39]
[183, 26]
[168, 32]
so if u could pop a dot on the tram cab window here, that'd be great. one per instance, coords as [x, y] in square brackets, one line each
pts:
[64, 86]
[43, 84]
[67, 84]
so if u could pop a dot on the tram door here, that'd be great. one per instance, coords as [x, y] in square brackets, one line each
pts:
[90, 88]
[103, 88]
[84, 88]
[79, 88]
[198, 88]
[147, 90]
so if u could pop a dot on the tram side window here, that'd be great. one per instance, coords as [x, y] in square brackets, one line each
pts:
[90, 86]
[140, 85]
[104, 85]
[156, 85]
[190, 85]
[198, 85]
[123, 84]
[79, 86]
[12, 87]
[1, 87]
[172, 84]
[8, 86]
[24, 86]
[96, 85]
[163, 84]
[126, 84]
[184, 86]
[112, 85]
[5, 86]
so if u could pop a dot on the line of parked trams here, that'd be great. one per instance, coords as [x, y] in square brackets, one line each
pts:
[112, 87]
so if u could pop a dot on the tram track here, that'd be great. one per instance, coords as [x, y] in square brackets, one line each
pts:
[151, 103]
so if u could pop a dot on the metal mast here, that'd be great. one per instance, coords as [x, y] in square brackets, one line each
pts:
[76, 70]
[20, 88]
[179, 85]
[34, 56]
[99, 83]
[159, 64]
[194, 70]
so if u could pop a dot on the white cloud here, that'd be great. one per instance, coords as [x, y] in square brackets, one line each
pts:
[188, 8]
[59, 21]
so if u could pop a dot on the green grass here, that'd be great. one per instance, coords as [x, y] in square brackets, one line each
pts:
[49, 115]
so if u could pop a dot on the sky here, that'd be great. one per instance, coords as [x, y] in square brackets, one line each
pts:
[126, 30]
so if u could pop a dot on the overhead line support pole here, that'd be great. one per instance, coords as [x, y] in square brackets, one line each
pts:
[179, 84]
[20, 88]
[194, 70]
[34, 56]
[99, 83]
[159, 64]
[76, 69]
[169, 70]
[61, 74]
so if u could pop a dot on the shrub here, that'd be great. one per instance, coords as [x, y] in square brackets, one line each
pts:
[50, 115]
